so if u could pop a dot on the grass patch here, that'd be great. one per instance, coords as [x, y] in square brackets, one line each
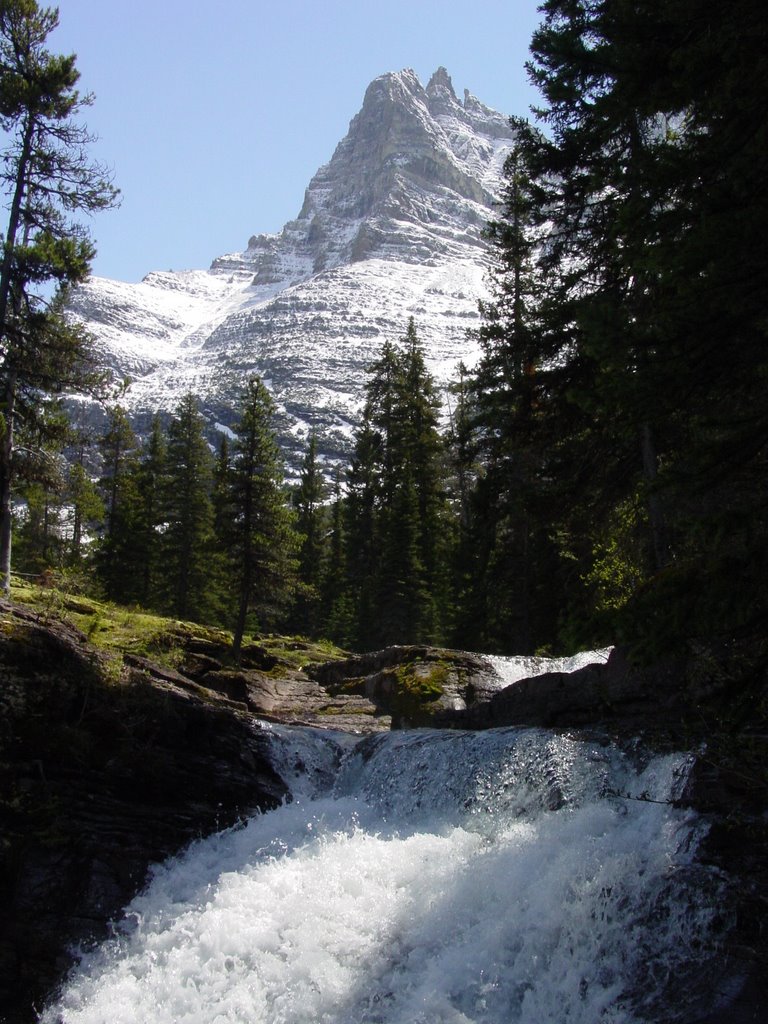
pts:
[118, 630]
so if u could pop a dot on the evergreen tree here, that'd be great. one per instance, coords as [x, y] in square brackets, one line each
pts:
[222, 499]
[87, 510]
[404, 605]
[188, 539]
[710, 370]
[117, 558]
[421, 508]
[261, 543]
[605, 197]
[150, 513]
[45, 177]
[361, 534]
[649, 343]
[37, 528]
[336, 602]
[513, 398]
[396, 507]
[310, 526]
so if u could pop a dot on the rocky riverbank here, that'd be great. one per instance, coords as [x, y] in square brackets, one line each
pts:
[108, 764]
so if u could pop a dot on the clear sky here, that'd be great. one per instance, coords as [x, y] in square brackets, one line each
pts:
[214, 117]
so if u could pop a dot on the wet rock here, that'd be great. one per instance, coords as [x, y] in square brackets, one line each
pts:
[617, 694]
[416, 685]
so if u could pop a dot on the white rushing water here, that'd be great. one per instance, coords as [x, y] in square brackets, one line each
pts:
[511, 669]
[435, 878]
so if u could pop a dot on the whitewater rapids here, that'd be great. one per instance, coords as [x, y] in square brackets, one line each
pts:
[426, 878]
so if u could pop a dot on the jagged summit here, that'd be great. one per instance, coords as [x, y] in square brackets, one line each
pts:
[391, 227]
[439, 83]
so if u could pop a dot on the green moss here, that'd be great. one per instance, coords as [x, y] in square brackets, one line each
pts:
[296, 652]
[419, 685]
[116, 630]
[351, 685]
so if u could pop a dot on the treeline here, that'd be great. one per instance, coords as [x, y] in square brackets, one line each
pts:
[169, 525]
[219, 537]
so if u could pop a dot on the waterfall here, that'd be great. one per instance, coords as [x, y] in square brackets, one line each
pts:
[513, 669]
[513, 875]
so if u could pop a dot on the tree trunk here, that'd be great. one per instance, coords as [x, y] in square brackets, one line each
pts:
[6, 457]
[656, 516]
[14, 218]
[7, 410]
[242, 614]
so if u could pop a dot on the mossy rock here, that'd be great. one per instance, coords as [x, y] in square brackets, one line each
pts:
[419, 688]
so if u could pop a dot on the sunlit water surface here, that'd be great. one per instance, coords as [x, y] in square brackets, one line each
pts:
[434, 878]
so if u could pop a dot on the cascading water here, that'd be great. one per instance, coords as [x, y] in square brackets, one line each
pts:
[426, 878]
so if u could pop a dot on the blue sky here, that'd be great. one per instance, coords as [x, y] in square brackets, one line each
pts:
[214, 118]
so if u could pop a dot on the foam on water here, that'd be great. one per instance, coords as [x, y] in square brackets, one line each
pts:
[512, 669]
[448, 878]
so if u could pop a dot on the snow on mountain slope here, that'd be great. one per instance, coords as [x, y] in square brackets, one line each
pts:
[391, 227]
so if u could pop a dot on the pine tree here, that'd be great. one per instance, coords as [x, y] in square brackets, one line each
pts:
[45, 178]
[87, 510]
[510, 402]
[655, 299]
[361, 534]
[261, 544]
[396, 507]
[116, 559]
[37, 527]
[336, 599]
[222, 505]
[188, 540]
[85, 506]
[150, 513]
[310, 526]
[424, 462]
[711, 311]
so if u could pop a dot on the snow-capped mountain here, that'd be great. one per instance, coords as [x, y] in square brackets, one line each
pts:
[391, 227]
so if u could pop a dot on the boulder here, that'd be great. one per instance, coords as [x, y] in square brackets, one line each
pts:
[414, 685]
[618, 694]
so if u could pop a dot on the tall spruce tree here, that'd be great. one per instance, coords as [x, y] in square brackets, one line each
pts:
[336, 600]
[396, 506]
[150, 513]
[117, 563]
[262, 542]
[362, 550]
[188, 539]
[86, 511]
[506, 561]
[712, 316]
[45, 177]
[311, 528]
[655, 299]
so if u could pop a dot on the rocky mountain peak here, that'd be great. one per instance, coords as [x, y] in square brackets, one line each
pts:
[440, 94]
[393, 86]
[391, 227]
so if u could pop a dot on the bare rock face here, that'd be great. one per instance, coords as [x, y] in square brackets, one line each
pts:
[391, 227]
